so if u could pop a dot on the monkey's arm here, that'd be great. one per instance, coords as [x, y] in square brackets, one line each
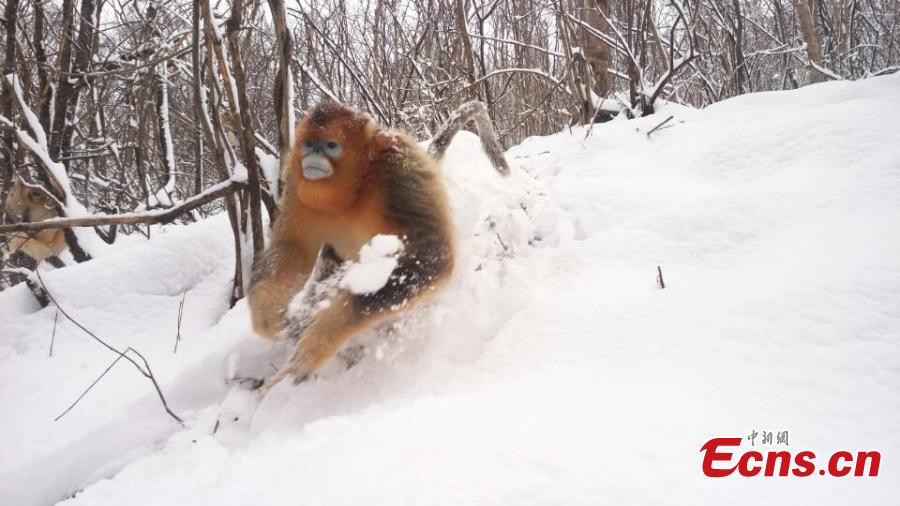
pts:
[277, 275]
[329, 330]
[321, 285]
[347, 313]
[36, 246]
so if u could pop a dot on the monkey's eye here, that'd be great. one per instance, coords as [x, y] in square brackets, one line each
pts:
[308, 145]
[333, 148]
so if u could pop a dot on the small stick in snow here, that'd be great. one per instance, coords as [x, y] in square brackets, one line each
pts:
[180, 312]
[659, 278]
[657, 127]
[505, 249]
[53, 335]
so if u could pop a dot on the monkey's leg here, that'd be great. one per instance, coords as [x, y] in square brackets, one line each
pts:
[354, 353]
[330, 329]
[13, 244]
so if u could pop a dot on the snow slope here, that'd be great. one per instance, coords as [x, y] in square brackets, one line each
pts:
[552, 370]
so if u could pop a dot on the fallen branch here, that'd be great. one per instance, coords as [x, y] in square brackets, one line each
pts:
[149, 217]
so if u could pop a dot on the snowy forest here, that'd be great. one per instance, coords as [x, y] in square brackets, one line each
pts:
[121, 114]
[630, 252]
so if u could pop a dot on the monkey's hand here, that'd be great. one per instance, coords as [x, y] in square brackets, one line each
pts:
[320, 287]
[296, 368]
[296, 319]
[324, 335]
[305, 305]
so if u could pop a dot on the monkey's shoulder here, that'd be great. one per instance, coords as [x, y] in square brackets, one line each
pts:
[412, 189]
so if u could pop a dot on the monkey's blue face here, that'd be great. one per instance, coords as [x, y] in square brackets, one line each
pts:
[317, 156]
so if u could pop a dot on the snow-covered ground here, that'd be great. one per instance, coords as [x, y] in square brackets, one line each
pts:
[552, 370]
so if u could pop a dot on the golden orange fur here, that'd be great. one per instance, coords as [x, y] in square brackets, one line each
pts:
[382, 183]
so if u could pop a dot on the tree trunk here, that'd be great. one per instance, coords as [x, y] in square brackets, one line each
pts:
[164, 196]
[596, 52]
[68, 88]
[245, 129]
[283, 94]
[6, 107]
[805, 12]
[468, 58]
[211, 129]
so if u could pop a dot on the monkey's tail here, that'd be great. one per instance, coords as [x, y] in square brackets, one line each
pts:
[471, 110]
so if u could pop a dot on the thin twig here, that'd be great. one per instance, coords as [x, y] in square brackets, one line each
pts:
[657, 127]
[88, 389]
[505, 248]
[145, 370]
[180, 312]
[53, 335]
[659, 278]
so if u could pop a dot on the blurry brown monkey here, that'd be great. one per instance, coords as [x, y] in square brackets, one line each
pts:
[29, 204]
[348, 180]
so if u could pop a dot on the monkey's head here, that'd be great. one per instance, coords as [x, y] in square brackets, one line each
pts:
[331, 156]
[24, 203]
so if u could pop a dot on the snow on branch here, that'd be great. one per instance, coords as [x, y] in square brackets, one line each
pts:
[163, 196]
[825, 72]
[54, 171]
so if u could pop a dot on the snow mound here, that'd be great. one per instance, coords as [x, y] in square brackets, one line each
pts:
[552, 369]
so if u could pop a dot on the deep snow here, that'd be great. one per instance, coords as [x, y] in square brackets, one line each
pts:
[552, 370]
